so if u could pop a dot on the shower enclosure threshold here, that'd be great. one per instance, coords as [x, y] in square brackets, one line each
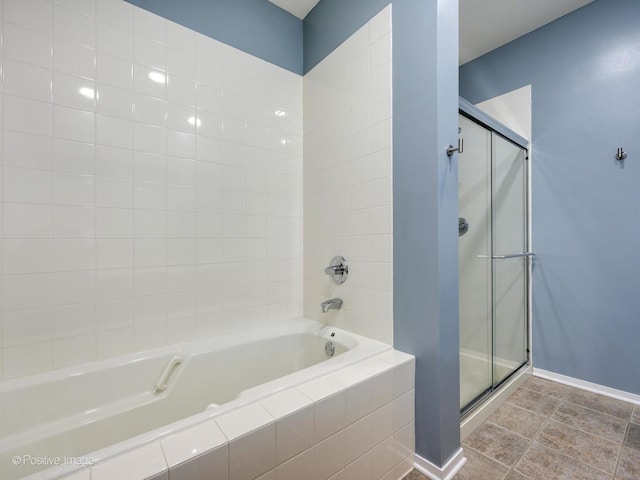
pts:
[485, 406]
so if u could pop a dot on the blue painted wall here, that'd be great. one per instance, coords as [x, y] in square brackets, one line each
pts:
[257, 27]
[425, 196]
[585, 74]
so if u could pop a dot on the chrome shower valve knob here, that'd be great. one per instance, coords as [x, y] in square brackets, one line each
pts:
[338, 269]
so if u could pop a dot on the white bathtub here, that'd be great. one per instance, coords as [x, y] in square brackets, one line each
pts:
[132, 416]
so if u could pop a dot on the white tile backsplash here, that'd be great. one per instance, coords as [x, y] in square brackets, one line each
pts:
[114, 186]
[347, 181]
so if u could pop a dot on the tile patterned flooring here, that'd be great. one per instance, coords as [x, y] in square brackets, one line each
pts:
[549, 431]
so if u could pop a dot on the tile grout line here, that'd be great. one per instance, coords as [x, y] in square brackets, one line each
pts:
[619, 457]
[550, 418]
[590, 433]
[542, 427]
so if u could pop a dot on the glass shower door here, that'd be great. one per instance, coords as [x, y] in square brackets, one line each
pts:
[475, 284]
[493, 260]
[509, 257]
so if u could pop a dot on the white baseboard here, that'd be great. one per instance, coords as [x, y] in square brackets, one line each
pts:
[451, 468]
[588, 386]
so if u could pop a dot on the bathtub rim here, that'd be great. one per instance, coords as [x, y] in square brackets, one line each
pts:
[368, 348]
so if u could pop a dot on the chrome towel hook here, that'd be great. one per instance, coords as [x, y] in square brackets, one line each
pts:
[459, 149]
[621, 154]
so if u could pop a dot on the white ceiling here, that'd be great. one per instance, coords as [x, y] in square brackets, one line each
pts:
[299, 8]
[484, 24]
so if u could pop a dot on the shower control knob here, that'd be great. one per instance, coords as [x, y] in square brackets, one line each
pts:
[338, 269]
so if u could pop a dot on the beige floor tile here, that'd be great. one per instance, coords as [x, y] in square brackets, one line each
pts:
[480, 467]
[584, 447]
[414, 475]
[635, 418]
[518, 420]
[534, 401]
[497, 443]
[514, 475]
[599, 403]
[629, 467]
[546, 387]
[590, 421]
[633, 436]
[540, 463]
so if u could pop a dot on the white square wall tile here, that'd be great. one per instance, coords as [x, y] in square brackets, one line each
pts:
[26, 80]
[300, 466]
[150, 252]
[142, 462]
[149, 53]
[21, 220]
[359, 437]
[73, 254]
[73, 222]
[112, 70]
[27, 359]
[384, 457]
[26, 45]
[114, 223]
[253, 455]
[114, 132]
[35, 15]
[380, 25]
[27, 291]
[331, 455]
[72, 189]
[211, 464]
[73, 287]
[23, 185]
[362, 468]
[74, 351]
[329, 416]
[27, 256]
[181, 38]
[74, 27]
[243, 420]
[74, 59]
[27, 326]
[114, 283]
[194, 441]
[28, 116]
[116, 12]
[114, 192]
[74, 124]
[149, 25]
[114, 162]
[74, 92]
[27, 151]
[404, 410]
[114, 253]
[73, 157]
[115, 101]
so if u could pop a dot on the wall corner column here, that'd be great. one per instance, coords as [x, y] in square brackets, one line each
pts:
[425, 199]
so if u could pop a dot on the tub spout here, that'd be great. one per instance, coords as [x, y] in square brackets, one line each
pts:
[332, 304]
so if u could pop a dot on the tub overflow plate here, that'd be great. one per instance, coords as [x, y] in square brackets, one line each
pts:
[329, 349]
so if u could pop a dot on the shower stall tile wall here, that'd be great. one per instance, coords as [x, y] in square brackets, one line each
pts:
[151, 185]
[347, 181]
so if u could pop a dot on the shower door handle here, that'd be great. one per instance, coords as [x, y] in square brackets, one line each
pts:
[514, 255]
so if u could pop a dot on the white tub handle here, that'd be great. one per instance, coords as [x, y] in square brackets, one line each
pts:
[163, 382]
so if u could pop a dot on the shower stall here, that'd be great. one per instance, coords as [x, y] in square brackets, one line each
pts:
[494, 255]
